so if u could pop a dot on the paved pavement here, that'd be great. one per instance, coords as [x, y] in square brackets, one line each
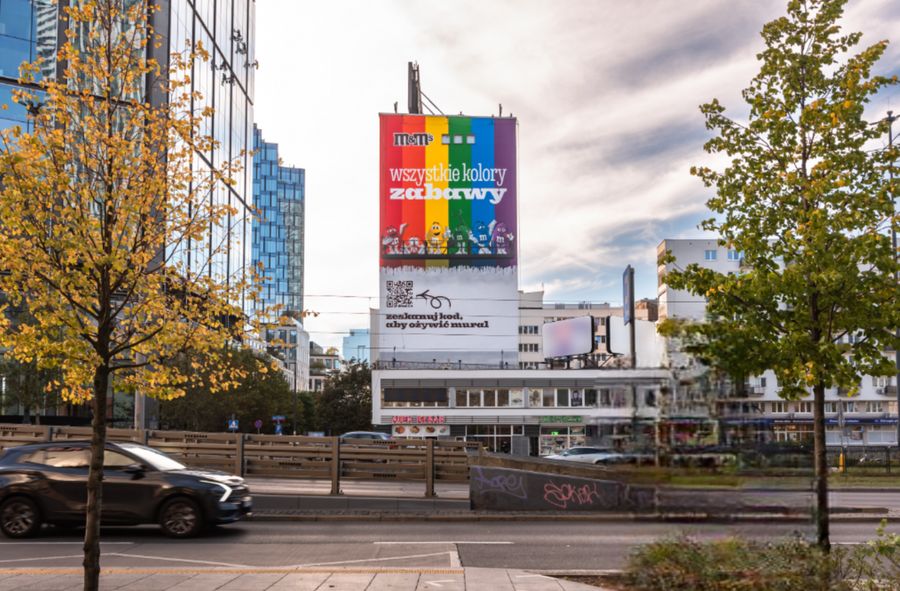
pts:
[222, 579]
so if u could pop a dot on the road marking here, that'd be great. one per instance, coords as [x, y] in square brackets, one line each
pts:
[41, 558]
[369, 560]
[29, 543]
[454, 558]
[418, 543]
[145, 557]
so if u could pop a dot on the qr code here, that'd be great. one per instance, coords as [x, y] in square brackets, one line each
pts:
[399, 294]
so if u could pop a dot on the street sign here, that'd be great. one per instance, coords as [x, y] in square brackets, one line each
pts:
[232, 424]
[277, 428]
[258, 423]
[278, 418]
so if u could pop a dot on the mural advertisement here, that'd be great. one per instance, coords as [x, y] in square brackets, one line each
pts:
[448, 239]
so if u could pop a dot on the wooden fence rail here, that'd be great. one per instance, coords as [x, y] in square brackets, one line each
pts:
[284, 456]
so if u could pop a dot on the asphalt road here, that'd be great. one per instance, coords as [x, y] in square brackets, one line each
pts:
[560, 545]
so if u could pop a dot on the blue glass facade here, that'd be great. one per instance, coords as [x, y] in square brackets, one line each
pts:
[28, 31]
[279, 196]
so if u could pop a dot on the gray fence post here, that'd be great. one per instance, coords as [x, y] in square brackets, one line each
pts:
[429, 469]
[48, 433]
[335, 466]
[239, 455]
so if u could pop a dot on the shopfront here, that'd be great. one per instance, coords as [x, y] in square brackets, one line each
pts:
[559, 433]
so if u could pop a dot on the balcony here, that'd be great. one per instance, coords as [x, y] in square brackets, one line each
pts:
[890, 391]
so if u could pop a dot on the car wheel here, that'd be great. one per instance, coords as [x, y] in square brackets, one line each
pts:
[19, 517]
[181, 518]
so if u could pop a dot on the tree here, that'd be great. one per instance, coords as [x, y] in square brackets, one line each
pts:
[261, 393]
[105, 225]
[345, 403]
[808, 202]
[27, 385]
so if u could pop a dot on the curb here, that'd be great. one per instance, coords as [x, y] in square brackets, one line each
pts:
[590, 517]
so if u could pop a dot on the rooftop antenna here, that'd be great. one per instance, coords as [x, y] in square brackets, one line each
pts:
[501, 110]
[414, 90]
[395, 106]
[415, 94]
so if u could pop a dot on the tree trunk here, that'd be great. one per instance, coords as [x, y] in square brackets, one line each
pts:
[820, 461]
[95, 482]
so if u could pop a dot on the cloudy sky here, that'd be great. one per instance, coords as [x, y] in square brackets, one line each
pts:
[606, 94]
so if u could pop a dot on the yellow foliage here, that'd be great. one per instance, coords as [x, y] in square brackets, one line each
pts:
[88, 204]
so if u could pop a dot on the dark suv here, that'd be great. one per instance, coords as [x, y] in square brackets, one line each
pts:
[47, 483]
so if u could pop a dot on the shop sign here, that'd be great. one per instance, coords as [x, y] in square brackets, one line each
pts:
[418, 420]
[417, 431]
[561, 419]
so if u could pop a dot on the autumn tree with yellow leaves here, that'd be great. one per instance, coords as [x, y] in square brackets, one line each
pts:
[807, 195]
[105, 226]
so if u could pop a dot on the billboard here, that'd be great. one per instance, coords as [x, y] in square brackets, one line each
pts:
[568, 338]
[448, 191]
[447, 240]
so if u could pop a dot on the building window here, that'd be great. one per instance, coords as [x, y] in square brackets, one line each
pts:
[806, 407]
[709, 255]
[874, 407]
[734, 255]
[779, 407]
[549, 397]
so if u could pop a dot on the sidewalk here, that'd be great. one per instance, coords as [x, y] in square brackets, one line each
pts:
[300, 579]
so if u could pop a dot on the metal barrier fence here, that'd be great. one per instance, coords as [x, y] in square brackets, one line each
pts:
[284, 456]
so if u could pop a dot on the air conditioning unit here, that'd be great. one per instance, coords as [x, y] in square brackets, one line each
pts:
[879, 391]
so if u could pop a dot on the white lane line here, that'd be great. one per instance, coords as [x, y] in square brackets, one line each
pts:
[368, 560]
[145, 557]
[454, 558]
[418, 543]
[42, 558]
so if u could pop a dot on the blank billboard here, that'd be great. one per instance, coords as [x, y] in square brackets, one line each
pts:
[570, 337]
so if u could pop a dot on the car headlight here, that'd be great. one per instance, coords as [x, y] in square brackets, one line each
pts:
[225, 487]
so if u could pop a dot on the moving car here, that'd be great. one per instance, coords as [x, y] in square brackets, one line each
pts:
[365, 435]
[588, 455]
[47, 483]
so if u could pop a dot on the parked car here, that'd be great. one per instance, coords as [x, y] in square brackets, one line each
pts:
[589, 455]
[47, 483]
[365, 435]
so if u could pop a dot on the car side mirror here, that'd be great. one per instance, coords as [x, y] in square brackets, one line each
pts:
[136, 470]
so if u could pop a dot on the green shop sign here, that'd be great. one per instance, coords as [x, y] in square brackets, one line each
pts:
[562, 419]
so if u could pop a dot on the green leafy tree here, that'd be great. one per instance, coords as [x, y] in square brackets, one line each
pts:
[345, 403]
[809, 203]
[261, 393]
[28, 385]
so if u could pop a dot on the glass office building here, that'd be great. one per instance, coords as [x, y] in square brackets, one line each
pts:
[30, 29]
[280, 199]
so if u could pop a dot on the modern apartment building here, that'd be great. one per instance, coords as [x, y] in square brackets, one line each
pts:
[758, 413]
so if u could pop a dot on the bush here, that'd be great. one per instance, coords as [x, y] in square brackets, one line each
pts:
[685, 564]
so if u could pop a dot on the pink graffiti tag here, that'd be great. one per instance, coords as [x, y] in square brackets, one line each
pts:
[561, 495]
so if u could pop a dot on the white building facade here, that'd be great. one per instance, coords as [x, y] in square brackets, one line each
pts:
[866, 419]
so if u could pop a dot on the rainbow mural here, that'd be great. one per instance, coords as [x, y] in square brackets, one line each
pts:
[447, 191]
